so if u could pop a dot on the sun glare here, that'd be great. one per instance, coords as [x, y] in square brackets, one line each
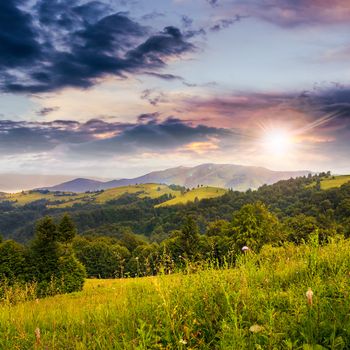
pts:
[277, 142]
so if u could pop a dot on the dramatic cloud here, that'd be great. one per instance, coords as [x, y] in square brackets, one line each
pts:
[153, 136]
[100, 137]
[67, 43]
[18, 40]
[322, 113]
[31, 137]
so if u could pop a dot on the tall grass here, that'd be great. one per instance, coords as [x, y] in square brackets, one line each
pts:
[259, 304]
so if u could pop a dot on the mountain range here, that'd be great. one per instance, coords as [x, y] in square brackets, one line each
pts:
[237, 177]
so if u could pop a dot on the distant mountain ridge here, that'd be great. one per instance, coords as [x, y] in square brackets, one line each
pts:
[237, 177]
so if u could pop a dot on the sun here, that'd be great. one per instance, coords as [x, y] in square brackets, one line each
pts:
[277, 142]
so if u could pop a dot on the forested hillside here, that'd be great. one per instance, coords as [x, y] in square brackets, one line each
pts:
[132, 235]
[286, 199]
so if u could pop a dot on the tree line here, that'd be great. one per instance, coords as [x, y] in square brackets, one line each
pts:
[130, 237]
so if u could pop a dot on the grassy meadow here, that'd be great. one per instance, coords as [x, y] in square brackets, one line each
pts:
[261, 303]
[337, 181]
[332, 182]
[199, 193]
[66, 200]
[143, 190]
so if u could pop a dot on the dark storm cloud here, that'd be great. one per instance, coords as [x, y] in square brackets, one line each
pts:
[336, 101]
[71, 44]
[100, 137]
[152, 136]
[31, 137]
[18, 39]
[169, 42]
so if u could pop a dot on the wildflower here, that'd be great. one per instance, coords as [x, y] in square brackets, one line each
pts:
[37, 335]
[183, 341]
[309, 294]
[245, 249]
[37, 301]
[256, 328]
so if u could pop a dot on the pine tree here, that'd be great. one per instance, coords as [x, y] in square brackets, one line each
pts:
[56, 270]
[45, 251]
[66, 229]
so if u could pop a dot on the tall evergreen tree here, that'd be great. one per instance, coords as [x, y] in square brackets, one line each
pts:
[66, 229]
[56, 271]
[45, 250]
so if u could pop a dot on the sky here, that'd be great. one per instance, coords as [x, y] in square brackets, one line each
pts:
[118, 88]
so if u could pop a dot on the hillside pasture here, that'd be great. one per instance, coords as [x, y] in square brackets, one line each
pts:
[65, 200]
[337, 181]
[259, 304]
[197, 193]
[143, 190]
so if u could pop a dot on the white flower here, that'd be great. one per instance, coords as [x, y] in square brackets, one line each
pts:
[309, 294]
[256, 328]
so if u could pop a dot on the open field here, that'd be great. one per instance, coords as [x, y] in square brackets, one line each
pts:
[336, 182]
[332, 182]
[260, 304]
[144, 190]
[25, 197]
[199, 193]
[65, 200]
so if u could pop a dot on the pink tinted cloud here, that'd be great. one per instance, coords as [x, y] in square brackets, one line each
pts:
[292, 13]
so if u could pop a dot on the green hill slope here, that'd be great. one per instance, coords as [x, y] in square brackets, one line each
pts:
[67, 199]
[195, 194]
[260, 304]
[335, 181]
[332, 182]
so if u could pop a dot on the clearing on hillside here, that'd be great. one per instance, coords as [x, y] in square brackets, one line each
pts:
[335, 181]
[190, 196]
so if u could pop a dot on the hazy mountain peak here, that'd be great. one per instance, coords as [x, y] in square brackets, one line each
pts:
[238, 177]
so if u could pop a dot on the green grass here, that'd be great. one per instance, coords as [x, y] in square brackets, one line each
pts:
[142, 190]
[336, 182]
[68, 200]
[332, 182]
[260, 304]
[200, 193]
[25, 197]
